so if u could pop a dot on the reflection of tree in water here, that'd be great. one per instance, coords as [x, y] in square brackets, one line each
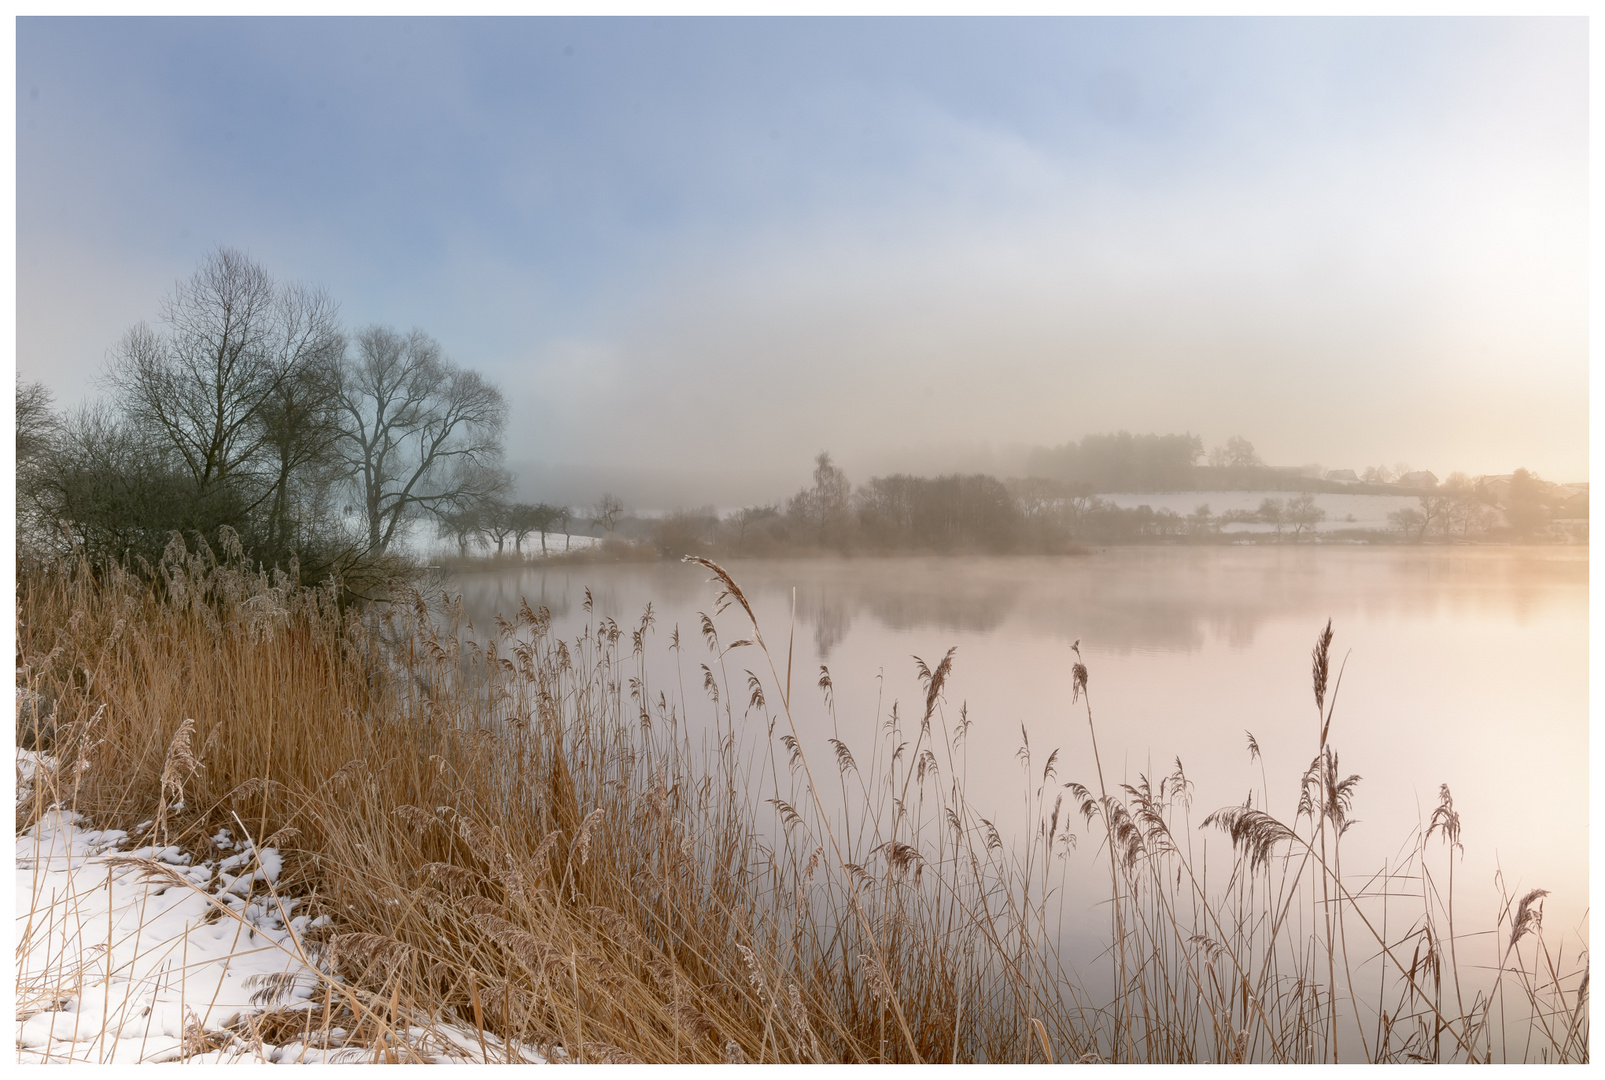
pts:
[975, 610]
[486, 595]
[832, 618]
[1121, 600]
[901, 600]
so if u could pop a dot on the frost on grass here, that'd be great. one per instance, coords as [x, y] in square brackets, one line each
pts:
[131, 954]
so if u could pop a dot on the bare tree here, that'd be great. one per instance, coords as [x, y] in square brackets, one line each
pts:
[527, 518]
[1273, 512]
[824, 506]
[500, 522]
[36, 424]
[231, 339]
[1467, 512]
[1237, 453]
[302, 428]
[1302, 513]
[421, 435]
[1437, 513]
[38, 434]
[1201, 522]
[1407, 518]
[609, 508]
[747, 517]
[463, 524]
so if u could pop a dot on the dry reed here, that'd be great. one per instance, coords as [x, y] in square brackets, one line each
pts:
[517, 834]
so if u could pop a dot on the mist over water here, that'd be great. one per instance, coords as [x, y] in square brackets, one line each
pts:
[817, 292]
[1465, 666]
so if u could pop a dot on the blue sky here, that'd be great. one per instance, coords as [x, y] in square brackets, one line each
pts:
[711, 247]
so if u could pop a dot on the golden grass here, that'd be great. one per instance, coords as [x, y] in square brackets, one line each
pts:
[518, 834]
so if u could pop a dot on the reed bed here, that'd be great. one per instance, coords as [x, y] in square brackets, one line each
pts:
[526, 837]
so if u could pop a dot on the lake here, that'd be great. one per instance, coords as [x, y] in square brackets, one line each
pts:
[1464, 665]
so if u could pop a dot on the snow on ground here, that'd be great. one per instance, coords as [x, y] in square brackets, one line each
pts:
[131, 954]
[1342, 511]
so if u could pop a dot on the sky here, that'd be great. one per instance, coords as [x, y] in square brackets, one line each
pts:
[695, 252]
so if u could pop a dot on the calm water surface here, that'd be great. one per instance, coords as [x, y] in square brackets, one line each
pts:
[1466, 666]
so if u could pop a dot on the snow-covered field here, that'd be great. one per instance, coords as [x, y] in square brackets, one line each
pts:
[1342, 511]
[125, 952]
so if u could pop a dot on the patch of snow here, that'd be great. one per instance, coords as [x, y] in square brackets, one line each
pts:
[138, 956]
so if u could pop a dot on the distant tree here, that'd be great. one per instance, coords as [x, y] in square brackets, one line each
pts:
[562, 516]
[1524, 508]
[1273, 512]
[1120, 461]
[745, 519]
[1302, 514]
[942, 513]
[1201, 522]
[465, 524]
[1038, 497]
[1406, 520]
[823, 508]
[527, 518]
[684, 532]
[1467, 512]
[1237, 453]
[1377, 474]
[500, 523]
[420, 434]
[1437, 513]
[609, 508]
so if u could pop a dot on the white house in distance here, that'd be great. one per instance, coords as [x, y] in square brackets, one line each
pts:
[1342, 476]
[1421, 478]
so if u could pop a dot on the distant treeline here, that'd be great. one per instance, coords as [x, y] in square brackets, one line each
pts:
[1125, 462]
[1121, 462]
[982, 514]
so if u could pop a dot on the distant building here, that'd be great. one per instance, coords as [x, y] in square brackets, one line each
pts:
[1494, 489]
[1421, 478]
[1343, 476]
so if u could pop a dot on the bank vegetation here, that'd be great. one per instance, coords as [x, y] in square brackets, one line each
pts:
[536, 838]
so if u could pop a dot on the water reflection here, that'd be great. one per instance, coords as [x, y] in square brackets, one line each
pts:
[1467, 666]
[1121, 601]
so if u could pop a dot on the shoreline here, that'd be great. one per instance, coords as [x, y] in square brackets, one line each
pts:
[641, 553]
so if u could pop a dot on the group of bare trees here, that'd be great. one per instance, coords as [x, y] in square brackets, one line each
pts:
[1297, 514]
[974, 512]
[1457, 510]
[493, 520]
[247, 405]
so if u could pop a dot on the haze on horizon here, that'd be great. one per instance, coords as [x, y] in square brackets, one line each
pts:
[697, 252]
